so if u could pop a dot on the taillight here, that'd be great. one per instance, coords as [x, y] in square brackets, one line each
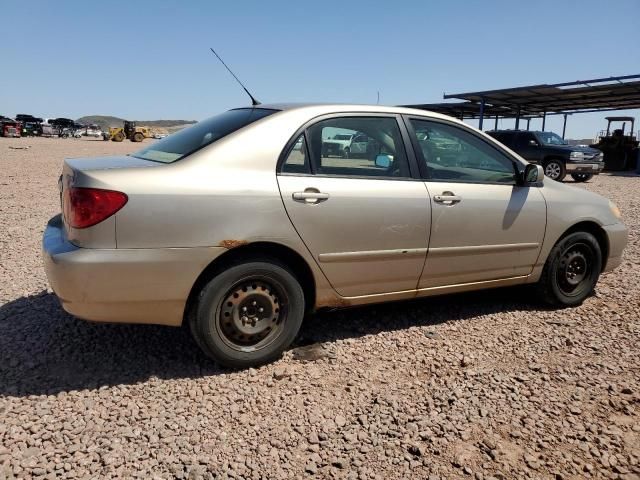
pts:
[84, 207]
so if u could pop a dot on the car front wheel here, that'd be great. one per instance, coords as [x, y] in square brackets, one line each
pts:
[249, 313]
[554, 169]
[571, 271]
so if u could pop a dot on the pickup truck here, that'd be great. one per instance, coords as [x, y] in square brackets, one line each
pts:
[556, 156]
[338, 145]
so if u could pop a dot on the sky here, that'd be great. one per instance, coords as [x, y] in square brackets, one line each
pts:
[151, 60]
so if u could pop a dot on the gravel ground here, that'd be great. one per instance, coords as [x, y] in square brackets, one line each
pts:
[481, 386]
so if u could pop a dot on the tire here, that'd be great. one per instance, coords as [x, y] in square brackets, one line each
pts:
[582, 177]
[260, 290]
[571, 271]
[118, 137]
[137, 137]
[555, 170]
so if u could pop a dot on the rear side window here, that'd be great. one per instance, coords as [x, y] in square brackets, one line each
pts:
[185, 142]
[358, 147]
[502, 137]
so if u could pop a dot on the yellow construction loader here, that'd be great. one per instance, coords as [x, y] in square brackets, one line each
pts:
[130, 131]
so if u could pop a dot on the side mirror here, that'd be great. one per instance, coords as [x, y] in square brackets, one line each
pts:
[533, 174]
[533, 143]
[383, 160]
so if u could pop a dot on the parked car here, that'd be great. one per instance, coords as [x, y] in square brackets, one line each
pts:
[555, 155]
[92, 131]
[241, 224]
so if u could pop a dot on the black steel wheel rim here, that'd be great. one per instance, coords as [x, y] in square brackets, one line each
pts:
[252, 313]
[575, 269]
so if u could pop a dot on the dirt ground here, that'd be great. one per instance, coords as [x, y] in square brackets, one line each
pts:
[486, 385]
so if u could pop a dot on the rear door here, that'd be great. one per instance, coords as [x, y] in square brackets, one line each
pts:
[484, 225]
[366, 223]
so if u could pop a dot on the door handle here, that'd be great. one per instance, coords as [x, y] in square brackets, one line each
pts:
[310, 195]
[447, 198]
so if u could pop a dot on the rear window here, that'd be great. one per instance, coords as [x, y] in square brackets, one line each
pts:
[185, 142]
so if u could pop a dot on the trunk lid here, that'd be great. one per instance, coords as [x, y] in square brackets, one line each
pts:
[97, 173]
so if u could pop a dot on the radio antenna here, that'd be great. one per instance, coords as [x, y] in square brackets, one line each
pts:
[378, 100]
[254, 102]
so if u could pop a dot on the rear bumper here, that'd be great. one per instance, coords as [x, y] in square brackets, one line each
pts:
[593, 168]
[122, 285]
[617, 235]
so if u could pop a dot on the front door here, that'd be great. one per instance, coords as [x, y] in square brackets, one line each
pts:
[365, 222]
[484, 225]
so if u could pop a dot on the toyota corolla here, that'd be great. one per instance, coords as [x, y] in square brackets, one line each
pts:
[241, 224]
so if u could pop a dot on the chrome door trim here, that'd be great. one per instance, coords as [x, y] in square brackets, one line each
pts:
[480, 249]
[371, 255]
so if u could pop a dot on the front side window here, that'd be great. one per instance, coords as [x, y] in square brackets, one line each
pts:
[452, 154]
[526, 140]
[358, 146]
[186, 141]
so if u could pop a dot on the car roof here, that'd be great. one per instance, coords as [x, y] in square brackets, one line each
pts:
[516, 131]
[326, 108]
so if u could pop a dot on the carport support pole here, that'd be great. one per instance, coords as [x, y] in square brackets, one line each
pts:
[495, 126]
[528, 122]
[544, 118]
[518, 118]
[564, 126]
[481, 114]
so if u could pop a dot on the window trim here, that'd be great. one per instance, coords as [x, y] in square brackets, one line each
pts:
[414, 174]
[422, 164]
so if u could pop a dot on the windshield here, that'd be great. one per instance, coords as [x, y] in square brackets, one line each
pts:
[550, 138]
[186, 141]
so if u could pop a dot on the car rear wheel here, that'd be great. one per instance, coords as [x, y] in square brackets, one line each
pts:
[249, 313]
[554, 169]
[571, 271]
[582, 177]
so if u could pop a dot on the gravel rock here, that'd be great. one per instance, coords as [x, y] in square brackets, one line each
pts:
[486, 385]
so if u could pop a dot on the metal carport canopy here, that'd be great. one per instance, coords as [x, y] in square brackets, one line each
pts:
[582, 96]
[612, 93]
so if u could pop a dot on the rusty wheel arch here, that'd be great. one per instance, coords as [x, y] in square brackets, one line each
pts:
[240, 251]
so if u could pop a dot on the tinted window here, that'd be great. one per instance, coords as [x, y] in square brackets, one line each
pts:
[334, 152]
[186, 141]
[502, 137]
[524, 139]
[298, 159]
[453, 154]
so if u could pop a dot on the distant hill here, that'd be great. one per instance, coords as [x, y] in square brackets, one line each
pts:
[106, 121]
